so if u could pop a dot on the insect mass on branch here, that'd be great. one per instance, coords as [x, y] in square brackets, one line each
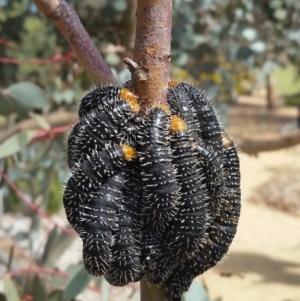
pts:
[155, 194]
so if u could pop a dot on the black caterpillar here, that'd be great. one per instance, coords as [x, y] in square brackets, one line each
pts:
[155, 194]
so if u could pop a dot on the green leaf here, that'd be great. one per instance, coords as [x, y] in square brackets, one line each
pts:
[55, 296]
[249, 34]
[38, 289]
[78, 281]
[58, 247]
[10, 289]
[27, 96]
[67, 96]
[119, 5]
[42, 151]
[258, 47]
[195, 292]
[49, 244]
[16, 143]
[280, 14]
[41, 121]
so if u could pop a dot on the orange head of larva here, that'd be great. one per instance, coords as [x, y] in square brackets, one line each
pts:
[226, 140]
[130, 98]
[164, 107]
[129, 152]
[177, 124]
[173, 83]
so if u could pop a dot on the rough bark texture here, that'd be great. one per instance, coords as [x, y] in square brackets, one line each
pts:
[152, 49]
[151, 292]
[150, 81]
[68, 23]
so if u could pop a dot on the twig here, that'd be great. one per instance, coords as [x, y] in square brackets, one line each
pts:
[152, 51]
[33, 207]
[150, 73]
[56, 119]
[68, 23]
[56, 58]
[253, 146]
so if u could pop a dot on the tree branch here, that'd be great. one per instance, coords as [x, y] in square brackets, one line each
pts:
[68, 23]
[150, 74]
[253, 146]
[152, 50]
[55, 119]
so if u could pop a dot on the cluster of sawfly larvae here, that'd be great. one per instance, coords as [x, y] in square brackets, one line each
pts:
[154, 195]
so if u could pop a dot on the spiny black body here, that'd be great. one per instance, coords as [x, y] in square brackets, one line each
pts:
[169, 215]
[220, 232]
[96, 98]
[125, 265]
[158, 175]
[100, 221]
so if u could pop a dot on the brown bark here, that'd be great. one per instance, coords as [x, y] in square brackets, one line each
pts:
[150, 75]
[152, 50]
[68, 23]
[253, 146]
[151, 292]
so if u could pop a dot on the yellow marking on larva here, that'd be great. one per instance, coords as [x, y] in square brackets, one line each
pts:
[164, 107]
[129, 152]
[173, 83]
[177, 124]
[130, 98]
[226, 140]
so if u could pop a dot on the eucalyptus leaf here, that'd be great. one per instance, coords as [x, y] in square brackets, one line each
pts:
[41, 121]
[49, 244]
[280, 14]
[119, 5]
[27, 96]
[38, 289]
[181, 59]
[58, 247]
[67, 96]
[258, 47]
[20, 236]
[10, 289]
[55, 296]
[249, 34]
[16, 143]
[77, 282]
[40, 155]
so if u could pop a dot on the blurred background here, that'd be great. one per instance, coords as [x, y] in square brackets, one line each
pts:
[244, 53]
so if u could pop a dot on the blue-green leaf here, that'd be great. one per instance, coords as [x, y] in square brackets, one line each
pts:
[16, 143]
[26, 97]
[78, 281]
[10, 289]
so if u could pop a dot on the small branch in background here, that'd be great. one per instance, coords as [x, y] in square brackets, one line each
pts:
[253, 146]
[56, 119]
[33, 207]
[68, 23]
[43, 135]
[152, 50]
[67, 58]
